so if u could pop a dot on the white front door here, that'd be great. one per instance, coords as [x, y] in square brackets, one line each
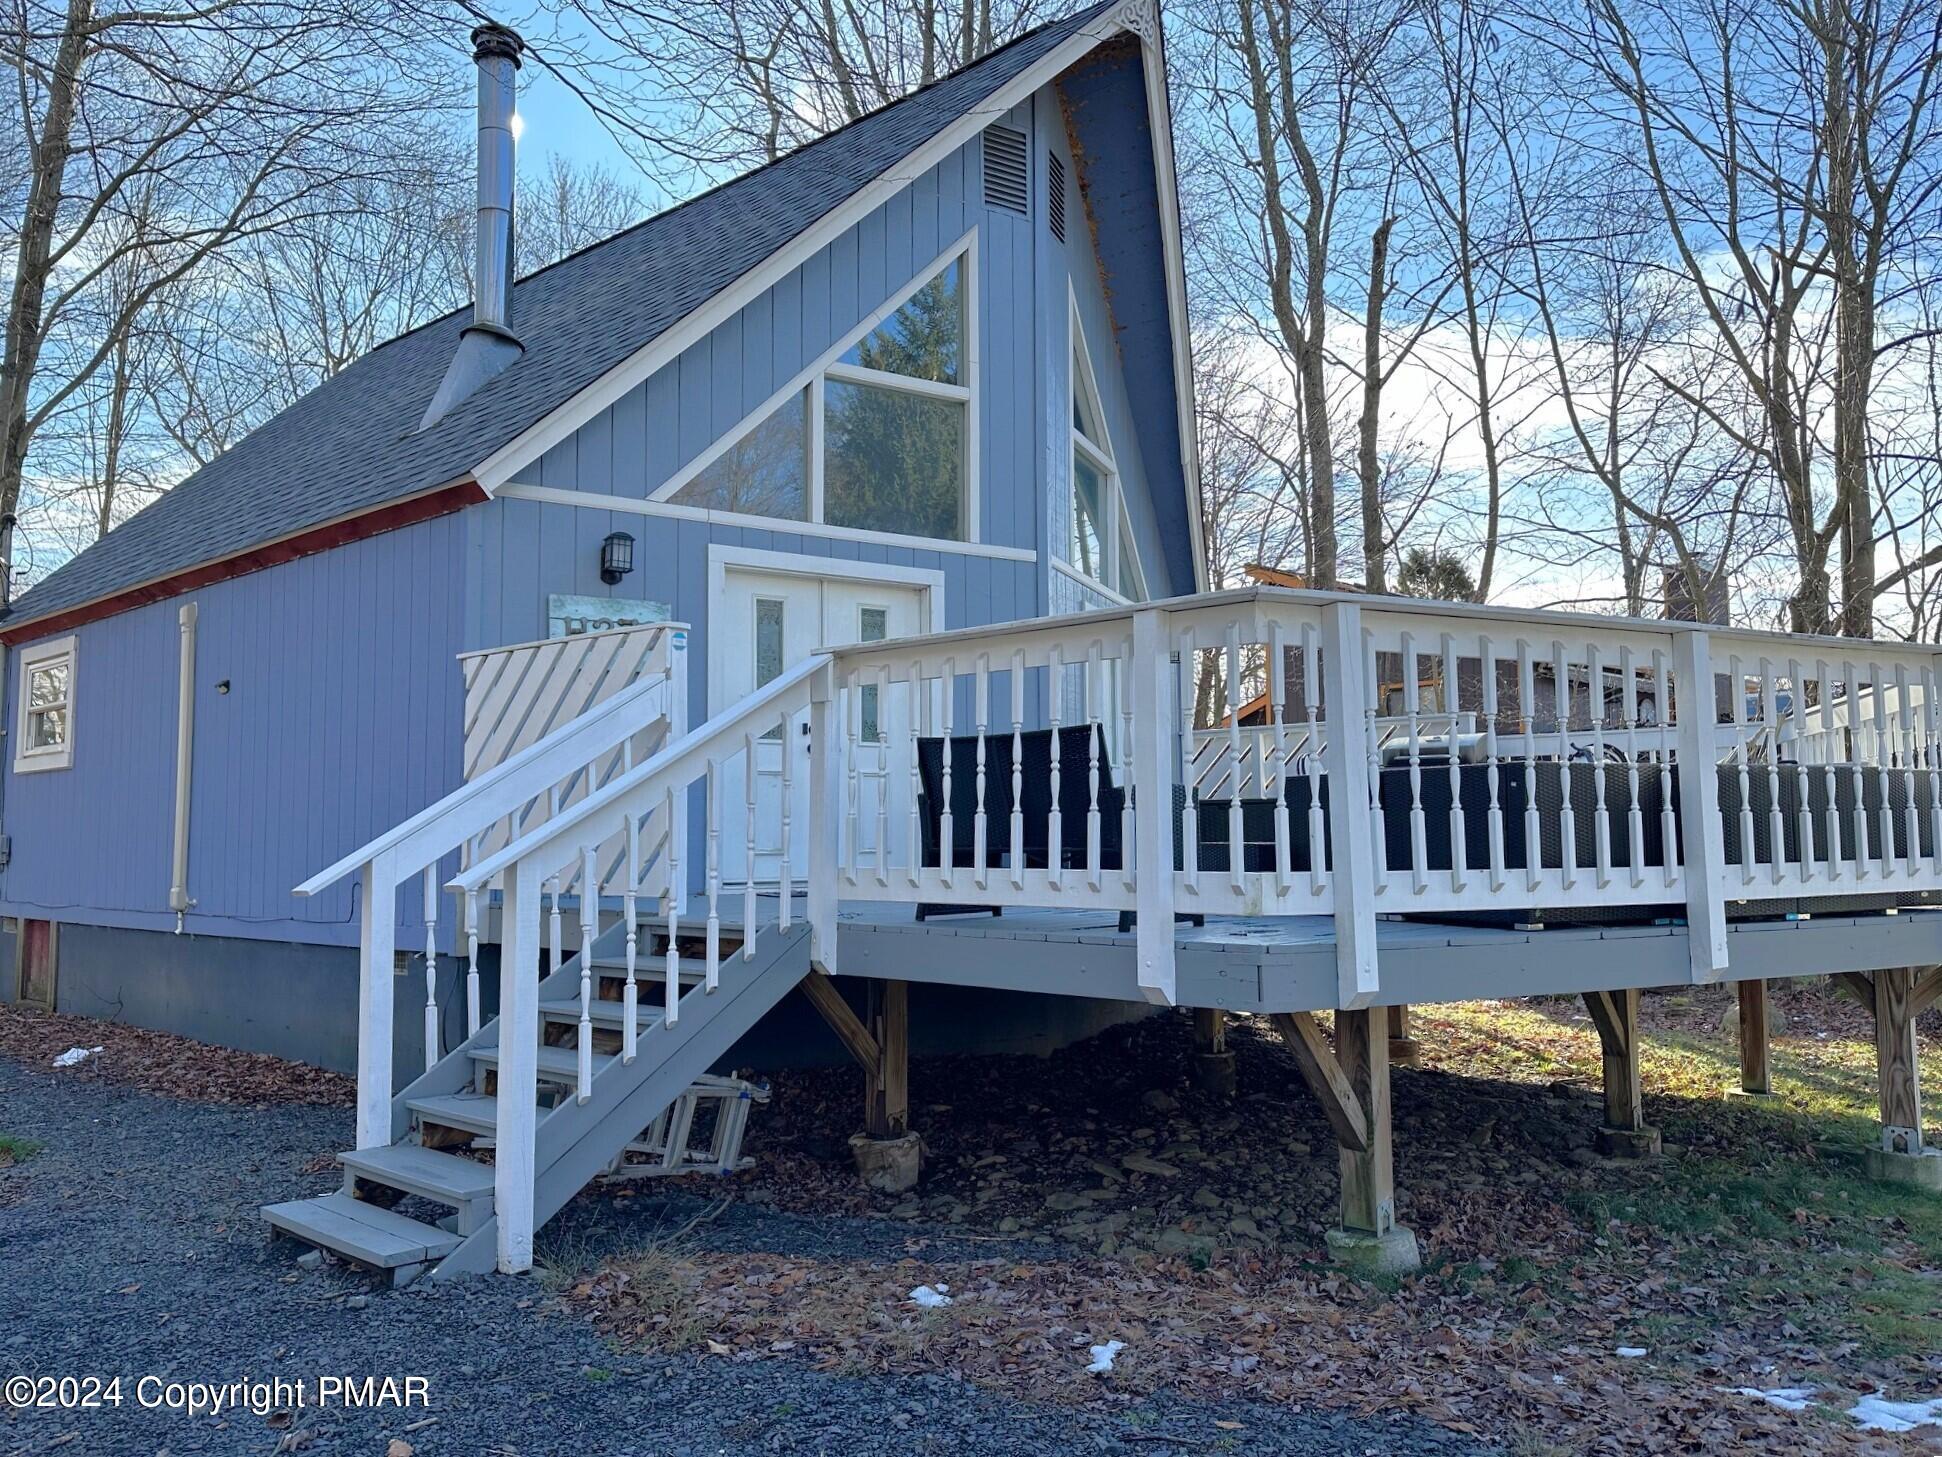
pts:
[763, 623]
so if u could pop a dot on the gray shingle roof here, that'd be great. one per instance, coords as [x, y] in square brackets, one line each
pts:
[352, 443]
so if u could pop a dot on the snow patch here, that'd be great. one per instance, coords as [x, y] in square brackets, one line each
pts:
[1787, 1398]
[1878, 1414]
[1102, 1357]
[931, 1298]
[76, 1054]
[1631, 1353]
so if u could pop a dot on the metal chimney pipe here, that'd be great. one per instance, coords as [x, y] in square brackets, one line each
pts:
[496, 50]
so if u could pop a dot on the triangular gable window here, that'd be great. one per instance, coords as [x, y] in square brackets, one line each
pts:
[1099, 546]
[925, 338]
[877, 437]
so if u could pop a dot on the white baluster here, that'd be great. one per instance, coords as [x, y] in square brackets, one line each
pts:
[748, 835]
[980, 823]
[1189, 817]
[1634, 817]
[1567, 763]
[1284, 777]
[918, 711]
[1418, 828]
[1055, 817]
[1494, 811]
[1128, 879]
[852, 779]
[1372, 744]
[1905, 749]
[1882, 758]
[553, 922]
[883, 774]
[1017, 676]
[712, 809]
[1527, 724]
[1837, 863]
[1932, 762]
[947, 854]
[471, 963]
[1236, 840]
[1344, 717]
[1807, 868]
[1662, 702]
[1452, 704]
[1601, 825]
[630, 912]
[673, 959]
[432, 1048]
[1776, 822]
[589, 919]
[786, 875]
[1094, 671]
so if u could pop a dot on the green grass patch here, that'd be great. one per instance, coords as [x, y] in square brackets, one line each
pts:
[15, 1150]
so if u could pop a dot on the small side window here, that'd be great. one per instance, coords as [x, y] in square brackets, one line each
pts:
[44, 726]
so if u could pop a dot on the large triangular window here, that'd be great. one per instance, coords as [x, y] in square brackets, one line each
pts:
[1099, 543]
[877, 437]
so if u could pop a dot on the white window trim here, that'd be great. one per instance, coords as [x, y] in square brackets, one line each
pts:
[33, 761]
[830, 365]
[1113, 533]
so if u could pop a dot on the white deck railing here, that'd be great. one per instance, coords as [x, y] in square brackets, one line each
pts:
[1407, 758]
[630, 689]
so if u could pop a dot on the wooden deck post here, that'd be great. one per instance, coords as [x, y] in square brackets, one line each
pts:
[1900, 996]
[517, 1074]
[1756, 1066]
[1404, 1050]
[377, 937]
[1616, 1015]
[1351, 1081]
[1213, 1063]
[886, 1099]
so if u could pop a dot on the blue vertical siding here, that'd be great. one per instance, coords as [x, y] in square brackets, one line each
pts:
[342, 717]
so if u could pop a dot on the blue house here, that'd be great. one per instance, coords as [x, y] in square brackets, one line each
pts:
[805, 584]
[929, 372]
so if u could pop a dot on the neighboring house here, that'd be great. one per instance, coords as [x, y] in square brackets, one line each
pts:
[928, 372]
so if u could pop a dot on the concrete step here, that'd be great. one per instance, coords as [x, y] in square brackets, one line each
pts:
[556, 1064]
[361, 1232]
[448, 1178]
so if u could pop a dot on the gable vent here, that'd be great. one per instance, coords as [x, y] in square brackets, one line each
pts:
[1055, 194]
[1004, 168]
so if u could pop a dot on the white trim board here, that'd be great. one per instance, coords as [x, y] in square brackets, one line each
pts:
[601, 501]
[1140, 18]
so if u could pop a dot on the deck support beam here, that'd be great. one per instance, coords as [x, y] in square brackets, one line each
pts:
[1756, 1063]
[1404, 1049]
[1616, 1015]
[1351, 1081]
[887, 1153]
[1899, 996]
[1213, 1063]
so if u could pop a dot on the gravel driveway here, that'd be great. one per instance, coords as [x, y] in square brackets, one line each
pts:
[131, 1246]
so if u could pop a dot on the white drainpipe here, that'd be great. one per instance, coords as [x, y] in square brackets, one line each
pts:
[185, 727]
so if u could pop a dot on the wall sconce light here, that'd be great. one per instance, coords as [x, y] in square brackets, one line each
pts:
[616, 557]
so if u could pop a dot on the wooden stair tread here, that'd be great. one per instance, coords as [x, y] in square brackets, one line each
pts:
[448, 1177]
[476, 1112]
[561, 1063]
[601, 1012]
[360, 1231]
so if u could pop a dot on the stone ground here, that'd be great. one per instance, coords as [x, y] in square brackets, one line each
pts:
[130, 1245]
[1093, 1196]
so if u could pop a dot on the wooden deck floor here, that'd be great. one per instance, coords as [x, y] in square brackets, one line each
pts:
[1256, 964]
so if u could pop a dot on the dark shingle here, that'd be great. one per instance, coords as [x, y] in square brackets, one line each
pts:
[350, 444]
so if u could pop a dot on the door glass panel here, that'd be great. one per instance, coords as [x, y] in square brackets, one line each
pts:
[768, 646]
[922, 339]
[872, 626]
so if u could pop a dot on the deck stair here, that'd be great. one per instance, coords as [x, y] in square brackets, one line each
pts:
[449, 1116]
